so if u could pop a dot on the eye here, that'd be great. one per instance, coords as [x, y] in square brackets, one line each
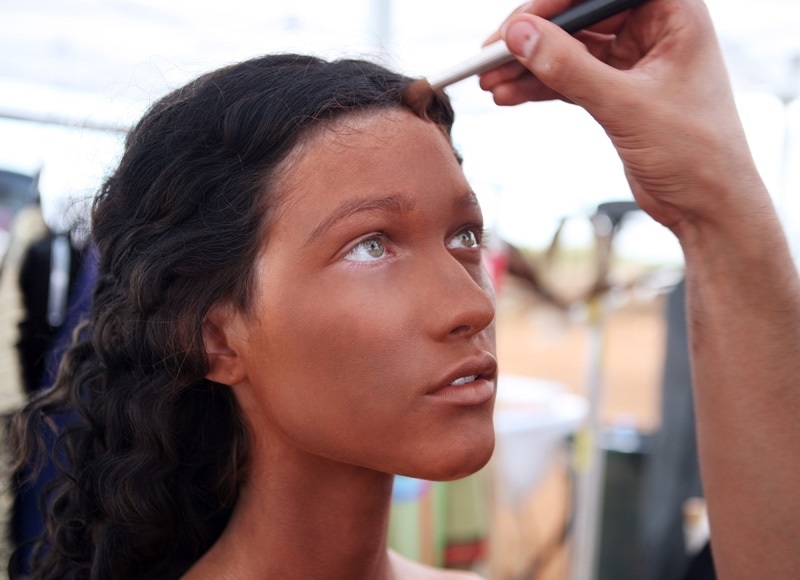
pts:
[464, 239]
[367, 250]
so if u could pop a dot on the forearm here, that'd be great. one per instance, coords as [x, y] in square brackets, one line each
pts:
[656, 81]
[743, 302]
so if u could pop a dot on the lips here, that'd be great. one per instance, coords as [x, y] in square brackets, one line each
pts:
[471, 382]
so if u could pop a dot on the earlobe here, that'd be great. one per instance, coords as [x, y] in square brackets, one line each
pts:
[224, 363]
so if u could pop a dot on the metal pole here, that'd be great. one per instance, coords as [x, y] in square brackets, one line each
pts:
[589, 458]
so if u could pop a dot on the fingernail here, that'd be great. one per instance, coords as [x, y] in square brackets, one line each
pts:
[521, 37]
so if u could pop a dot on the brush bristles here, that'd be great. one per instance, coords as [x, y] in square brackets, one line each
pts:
[418, 96]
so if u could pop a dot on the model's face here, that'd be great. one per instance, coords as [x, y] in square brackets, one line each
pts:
[371, 301]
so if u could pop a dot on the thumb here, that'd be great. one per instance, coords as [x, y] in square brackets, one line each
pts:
[561, 61]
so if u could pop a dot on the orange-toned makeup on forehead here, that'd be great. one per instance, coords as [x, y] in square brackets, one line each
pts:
[418, 96]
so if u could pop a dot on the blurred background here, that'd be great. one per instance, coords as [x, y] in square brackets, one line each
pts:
[588, 293]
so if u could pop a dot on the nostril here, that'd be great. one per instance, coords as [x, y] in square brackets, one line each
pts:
[460, 329]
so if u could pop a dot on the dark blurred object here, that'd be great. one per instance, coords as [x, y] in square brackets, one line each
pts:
[49, 268]
[525, 270]
[616, 211]
[626, 451]
[17, 191]
[701, 567]
[672, 474]
[607, 221]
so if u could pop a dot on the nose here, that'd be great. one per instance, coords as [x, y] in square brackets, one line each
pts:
[462, 298]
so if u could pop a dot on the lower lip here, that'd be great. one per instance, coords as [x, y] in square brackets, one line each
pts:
[477, 392]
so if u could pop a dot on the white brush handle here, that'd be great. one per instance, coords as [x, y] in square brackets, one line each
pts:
[488, 58]
[576, 18]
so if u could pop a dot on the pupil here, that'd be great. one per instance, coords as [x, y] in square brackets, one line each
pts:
[375, 248]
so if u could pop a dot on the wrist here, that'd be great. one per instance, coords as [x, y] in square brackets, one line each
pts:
[741, 240]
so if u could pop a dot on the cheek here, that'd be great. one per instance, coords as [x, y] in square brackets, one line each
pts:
[345, 331]
[340, 377]
[335, 354]
[340, 369]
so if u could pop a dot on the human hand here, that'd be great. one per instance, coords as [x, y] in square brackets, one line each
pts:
[654, 78]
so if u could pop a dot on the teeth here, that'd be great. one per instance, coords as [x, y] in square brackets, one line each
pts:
[464, 380]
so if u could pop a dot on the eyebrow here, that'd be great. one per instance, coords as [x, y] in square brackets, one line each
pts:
[396, 203]
[469, 199]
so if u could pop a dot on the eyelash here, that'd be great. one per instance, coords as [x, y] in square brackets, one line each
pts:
[478, 232]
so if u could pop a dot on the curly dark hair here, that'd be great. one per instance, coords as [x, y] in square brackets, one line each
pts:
[155, 454]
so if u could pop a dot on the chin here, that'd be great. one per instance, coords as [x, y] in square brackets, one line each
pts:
[457, 460]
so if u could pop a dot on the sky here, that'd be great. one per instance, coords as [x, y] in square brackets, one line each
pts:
[102, 61]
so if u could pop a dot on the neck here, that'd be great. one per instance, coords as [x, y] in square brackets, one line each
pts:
[303, 516]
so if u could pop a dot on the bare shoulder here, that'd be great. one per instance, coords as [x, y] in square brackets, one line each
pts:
[405, 569]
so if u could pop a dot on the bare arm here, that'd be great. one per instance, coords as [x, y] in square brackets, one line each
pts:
[655, 80]
[743, 303]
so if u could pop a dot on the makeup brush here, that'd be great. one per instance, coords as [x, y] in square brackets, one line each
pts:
[419, 93]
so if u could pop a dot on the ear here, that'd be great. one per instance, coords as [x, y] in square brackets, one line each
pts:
[224, 363]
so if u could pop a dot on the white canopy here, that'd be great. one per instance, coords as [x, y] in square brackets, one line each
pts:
[102, 59]
[100, 62]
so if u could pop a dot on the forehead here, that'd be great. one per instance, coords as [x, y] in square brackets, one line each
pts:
[364, 154]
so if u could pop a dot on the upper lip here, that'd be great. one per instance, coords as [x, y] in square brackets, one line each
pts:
[483, 366]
